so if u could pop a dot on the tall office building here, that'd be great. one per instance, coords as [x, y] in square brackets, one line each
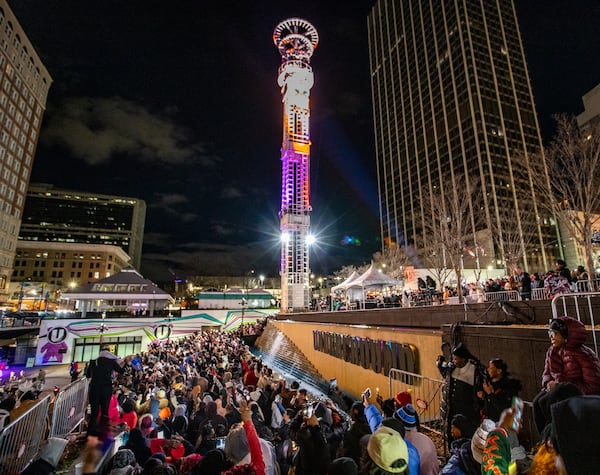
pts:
[24, 84]
[452, 97]
[57, 215]
[296, 40]
[591, 105]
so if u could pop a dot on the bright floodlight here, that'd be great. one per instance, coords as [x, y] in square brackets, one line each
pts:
[285, 237]
[310, 239]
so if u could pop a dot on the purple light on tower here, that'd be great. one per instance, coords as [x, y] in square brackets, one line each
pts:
[296, 40]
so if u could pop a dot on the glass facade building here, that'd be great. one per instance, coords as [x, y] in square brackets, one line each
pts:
[57, 215]
[452, 98]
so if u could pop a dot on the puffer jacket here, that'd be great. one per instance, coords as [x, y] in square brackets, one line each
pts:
[573, 362]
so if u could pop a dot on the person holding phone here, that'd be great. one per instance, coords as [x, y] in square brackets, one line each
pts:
[498, 390]
[463, 377]
[313, 451]
[497, 458]
[244, 447]
[359, 428]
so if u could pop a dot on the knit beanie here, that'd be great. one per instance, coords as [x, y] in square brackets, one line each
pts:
[407, 415]
[461, 423]
[480, 438]
[461, 351]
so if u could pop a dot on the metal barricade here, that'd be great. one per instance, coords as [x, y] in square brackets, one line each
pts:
[502, 296]
[426, 396]
[592, 285]
[69, 408]
[539, 293]
[582, 305]
[20, 440]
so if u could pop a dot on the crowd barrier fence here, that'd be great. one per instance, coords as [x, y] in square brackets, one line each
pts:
[587, 285]
[501, 296]
[20, 440]
[583, 305]
[69, 408]
[426, 396]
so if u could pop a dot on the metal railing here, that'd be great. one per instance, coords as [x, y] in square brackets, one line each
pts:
[501, 296]
[539, 293]
[69, 408]
[426, 394]
[592, 285]
[582, 306]
[20, 440]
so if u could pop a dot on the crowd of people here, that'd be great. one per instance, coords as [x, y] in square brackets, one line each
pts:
[528, 286]
[204, 404]
[555, 281]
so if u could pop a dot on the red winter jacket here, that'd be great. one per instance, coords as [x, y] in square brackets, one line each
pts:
[573, 362]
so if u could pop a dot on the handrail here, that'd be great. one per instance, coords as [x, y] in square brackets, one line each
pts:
[586, 297]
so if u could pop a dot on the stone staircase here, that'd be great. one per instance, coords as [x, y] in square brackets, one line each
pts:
[284, 357]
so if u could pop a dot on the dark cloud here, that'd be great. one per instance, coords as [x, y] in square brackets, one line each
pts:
[230, 193]
[174, 205]
[202, 258]
[166, 200]
[95, 129]
[157, 240]
[223, 229]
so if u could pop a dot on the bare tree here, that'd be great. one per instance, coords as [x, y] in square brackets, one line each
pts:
[393, 258]
[456, 216]
[571, 191]
[434, 258]
[343, 273]
[515, 241]
[346, 271]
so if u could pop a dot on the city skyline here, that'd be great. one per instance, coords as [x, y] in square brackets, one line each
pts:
[180, 107]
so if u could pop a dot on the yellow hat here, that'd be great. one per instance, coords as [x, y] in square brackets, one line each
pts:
[388, 450]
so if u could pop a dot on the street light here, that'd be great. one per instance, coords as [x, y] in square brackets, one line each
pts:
[261, 277]
[243, 303]
[169, 318]
[102, 329]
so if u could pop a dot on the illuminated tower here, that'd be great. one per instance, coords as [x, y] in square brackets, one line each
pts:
[296, 40]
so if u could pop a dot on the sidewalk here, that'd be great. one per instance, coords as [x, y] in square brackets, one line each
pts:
[56, 375]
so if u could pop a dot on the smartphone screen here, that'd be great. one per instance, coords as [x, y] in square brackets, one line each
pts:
[221, 442]
[518, 408]
[160, 434]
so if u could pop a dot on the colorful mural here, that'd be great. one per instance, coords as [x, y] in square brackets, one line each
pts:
[57, 337]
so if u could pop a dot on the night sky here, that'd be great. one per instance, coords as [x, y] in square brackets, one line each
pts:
[177, 103]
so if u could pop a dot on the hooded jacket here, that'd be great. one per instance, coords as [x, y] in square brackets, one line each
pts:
[101, 370]
[573, 362]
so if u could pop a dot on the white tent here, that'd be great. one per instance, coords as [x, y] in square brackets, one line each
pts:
[372, 278]
[356, 285]
[342, 286]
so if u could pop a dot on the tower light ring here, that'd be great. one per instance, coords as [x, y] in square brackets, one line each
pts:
[302, 46]
[295, 26]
